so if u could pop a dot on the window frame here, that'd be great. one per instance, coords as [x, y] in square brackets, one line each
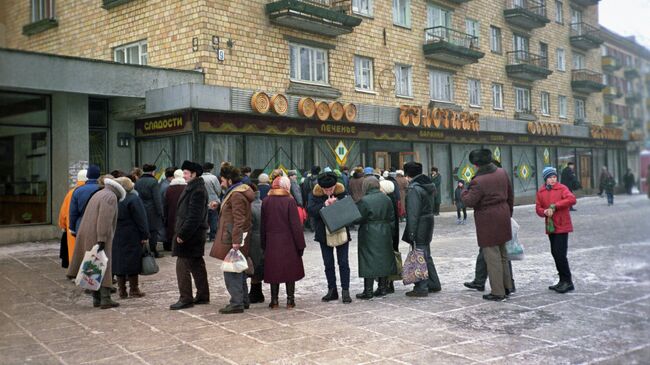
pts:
[475, 31]
[559, 14]
[526, 93]
[44, 8]
[562, 111]
[560, 60]
[583, 109]
[399, 67]
[313, 67]
[435, 75]
[398, 16]
[499, 87]
[545, 103]
[358, 73]
[496, 42]
[124, 49]
[356, 8]
[474, 87]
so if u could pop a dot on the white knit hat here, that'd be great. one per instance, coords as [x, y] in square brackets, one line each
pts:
[81, 175]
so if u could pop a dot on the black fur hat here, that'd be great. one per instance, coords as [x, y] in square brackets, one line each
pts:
[230, 172]
[327, 179]
[193, 167]
[480, 157]
[412, 169]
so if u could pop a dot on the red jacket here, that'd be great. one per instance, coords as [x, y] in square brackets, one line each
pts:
[563, 199]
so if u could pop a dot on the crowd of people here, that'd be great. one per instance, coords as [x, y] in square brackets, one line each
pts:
[129, 213]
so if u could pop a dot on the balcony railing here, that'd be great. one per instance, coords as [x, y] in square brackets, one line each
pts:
[325, 17]
[533, 6]
[444, 34]
[583, 29]
[586, 75]
[527, 58]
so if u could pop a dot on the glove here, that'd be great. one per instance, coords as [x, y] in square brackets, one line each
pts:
[101, 246]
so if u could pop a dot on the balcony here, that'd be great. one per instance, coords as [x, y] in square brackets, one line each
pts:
[109, 4]
[585, 2]
[451, 46]
[611, 64]
[633, 97]
[526, 14]
[586, 81]
[631, 73]
[584, 36]
[459, 2]
[325, 17]
[610, 119]
[527, 66]
[525, 114]
[612, 92]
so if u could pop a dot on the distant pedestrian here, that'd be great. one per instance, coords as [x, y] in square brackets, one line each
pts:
[403, 184]
[149, 191]
[255, 295]
[213, 187]
[628, 181]
[356, 184]
[552, 203]
[569, 178]
[68, 239]
[246, 172]
[295, 188]
[263, 185]
[437, 199]
[607, 184]
[170, 204]
[458, 202]
[164, 184]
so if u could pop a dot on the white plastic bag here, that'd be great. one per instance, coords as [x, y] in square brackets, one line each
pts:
[234, 261]
[92, 269]
[514, 248]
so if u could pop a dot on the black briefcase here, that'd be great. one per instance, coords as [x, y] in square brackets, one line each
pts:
[340, 214]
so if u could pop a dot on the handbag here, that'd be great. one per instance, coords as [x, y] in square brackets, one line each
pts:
[302, 214]
[342, 213]
[415, 267]
[398, 264]
[92, 269]
[234, 262]
[514, 249]
[336, 238]
[149, 264]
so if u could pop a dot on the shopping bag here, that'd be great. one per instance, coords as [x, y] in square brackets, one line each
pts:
[149, 264]
[513, 247]
[234, 261]
[302, 214]
[336, 238]
[92, 269]
[398, 264]
[415, 267]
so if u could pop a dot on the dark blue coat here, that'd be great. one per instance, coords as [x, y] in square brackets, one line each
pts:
[78, 203]
[149, 192]
[132, 228]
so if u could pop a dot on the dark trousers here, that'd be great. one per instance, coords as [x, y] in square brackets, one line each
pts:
[481, 272]
[610, 197]
[153, 241]
[186, 269]
[496, 259]
[433, 282]
[559, 247]
[464, 212]
[436, 208]
[344, 267]
[237, 288]
[213, 217]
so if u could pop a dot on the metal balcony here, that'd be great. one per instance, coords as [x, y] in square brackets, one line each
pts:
[612, 92]
[610, 64]
[610, 119]
[585, 2]
[527, 66]
[585, 36]
[632, 73]
[459, 1]
[526, 14]
[586, 81]
[633, 97]
[325, 17]
[451, 46]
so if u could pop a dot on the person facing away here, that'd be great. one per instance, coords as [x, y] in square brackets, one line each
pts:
[164, 185]
[458, 202]
[170, 203]
[437, 199]
[628, 181]
[607, 184]
[68, 240]
[149, 191]
[213, 187]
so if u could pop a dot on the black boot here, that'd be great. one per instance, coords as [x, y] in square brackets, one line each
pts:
[105, 299]
[553, 287]
[154, 250]
[134, 287]
[96, 299]
[291, 288]
[564, 287]
[332, 294]
[391, 287]
[367, 289]
[121, 286]
[382, 288]
[256, 295]
[275, 289]
[345, 294]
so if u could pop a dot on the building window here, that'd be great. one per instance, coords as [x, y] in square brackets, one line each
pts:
[363, 73]
[474, 90]
[520, 44]
[545, 103]
[132, 53]
[441, 85]
[578, 61]
[543, 52]
[497, 96]
[580, 109]
[522, 100]
[403, 80]
[362, 7]
[560, 59]
[559, 12]
[402, 13]
[42, 9]
[308, 64]
[561, 105]
[473, 28]
[495, 39]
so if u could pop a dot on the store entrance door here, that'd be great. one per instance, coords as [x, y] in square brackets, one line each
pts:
[585, 171]
[386, 160]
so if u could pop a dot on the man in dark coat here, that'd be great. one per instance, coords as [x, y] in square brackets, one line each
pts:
[490, 194]
[628, 181]
[569, 178]
[419, 224]
[149, 191]
[164, 184]
[189, 243]
[437, 199]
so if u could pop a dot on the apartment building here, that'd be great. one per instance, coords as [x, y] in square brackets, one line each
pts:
[296, 83]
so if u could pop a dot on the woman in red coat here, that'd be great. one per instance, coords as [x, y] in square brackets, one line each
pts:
[283, 241]
[553, 203]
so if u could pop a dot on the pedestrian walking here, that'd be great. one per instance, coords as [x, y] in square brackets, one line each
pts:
[282, 240]
[436, 178]
[149, 191]
[131, 233]
[377, 225]
[234, 233]
[419, 224]
[255, 295]
[490, 194]
[164, 184]
[326, 192]
[189, 241]
[295, 188]
[98, 228]
[628, 181]
[67, 239]
[552, 203]
[607, 184]
[213, 187]
[570, 179]
[458, 202]
[263, 185]
[170, 203]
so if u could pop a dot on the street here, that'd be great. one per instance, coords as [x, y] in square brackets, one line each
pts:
[45, 319]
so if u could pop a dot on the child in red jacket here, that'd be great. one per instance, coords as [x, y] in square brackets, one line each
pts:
[553, 202]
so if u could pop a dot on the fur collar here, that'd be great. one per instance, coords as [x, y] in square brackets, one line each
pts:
[175, 181]
[486, 169]
[119, 190]
[339, 189]
[278, 192]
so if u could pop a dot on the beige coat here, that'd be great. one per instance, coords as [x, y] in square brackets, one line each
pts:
[98, 225]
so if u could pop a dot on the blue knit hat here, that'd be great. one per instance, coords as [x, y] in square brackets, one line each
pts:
[548, 172]
[93, 172]
[368, 171]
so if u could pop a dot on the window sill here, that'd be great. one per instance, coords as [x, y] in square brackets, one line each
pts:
[558, 70]
[565, 118]
[497, 53]
[407, 27]
[363, 91]
[40, 26]
[546, 115]
[366, 16]
[498, 109]
[404, 97]
[476, 107]
[109, 4]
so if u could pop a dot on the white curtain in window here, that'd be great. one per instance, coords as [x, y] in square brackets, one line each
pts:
[441, 85]
[224, 147]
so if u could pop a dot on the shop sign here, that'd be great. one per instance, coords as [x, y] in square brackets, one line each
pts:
[544, 128]
[598, 132]
[161, 125]
[322, 110]
[438, 118]
[338, 129]
[262, 103]
[431, 134]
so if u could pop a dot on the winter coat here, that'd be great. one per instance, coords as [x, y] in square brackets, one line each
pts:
[64, 221]
[234, 220]
[164, 185]
[191, 220]
[255, 251]
[490, 194]
[212, 186]
[282, 238]
[569, 179]
[563, 199]
[172, 195]
[264, 190]
[628, 180]
[457, 198]
[296, 193]
[376, 258]
[437, 198]
[356, 187]
[132, 228]
[98, 225]
[419, 211]
[316, 203]
[402, 184]
[149, 191]
[607, 182]
[78, 202]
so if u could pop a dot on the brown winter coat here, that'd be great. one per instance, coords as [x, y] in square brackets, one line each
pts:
[403, 185]
[234, 220]
[172, 195]
[490, 194]
[282, 238]
[98, 225]
[356, 187]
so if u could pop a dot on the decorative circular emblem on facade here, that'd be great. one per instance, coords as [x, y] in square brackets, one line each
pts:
[350, 112]
[497, 154]
[260, 102]
[322, 110]
[547, 157]
[306, 107]
[279, 104]
[336, 110]
[466, 173]
[524, 171]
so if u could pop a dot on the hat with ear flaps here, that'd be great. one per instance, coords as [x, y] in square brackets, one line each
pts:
[480, 157]
[193, 167]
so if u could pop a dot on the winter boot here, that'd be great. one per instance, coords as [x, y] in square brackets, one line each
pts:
[121, 286]
[332, 294]
[391, 287]
[345, 294]
[291, 289]
[105, 299]
[134, 290]
[256, 295]
[96, 299]
[382, 288]
[367, 289]
[275, 289]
